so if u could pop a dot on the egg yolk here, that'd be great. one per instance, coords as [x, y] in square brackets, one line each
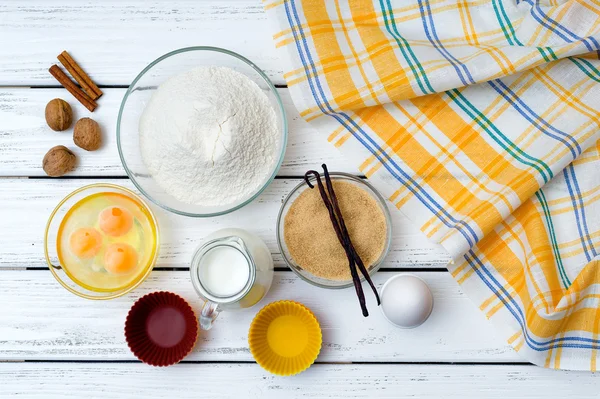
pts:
[85, 242]
[120, 258]
[115, 221]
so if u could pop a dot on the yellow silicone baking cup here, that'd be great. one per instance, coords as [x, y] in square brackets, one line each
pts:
[285, 338]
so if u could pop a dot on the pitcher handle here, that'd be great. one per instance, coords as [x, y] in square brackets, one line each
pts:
[209, 314]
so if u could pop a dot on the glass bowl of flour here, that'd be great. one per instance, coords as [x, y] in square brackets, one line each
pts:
[201, 131]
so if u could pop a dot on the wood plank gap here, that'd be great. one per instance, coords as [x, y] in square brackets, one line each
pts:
[85, 361]
[46, 87]
[121, 177]
[283, 177]
[277, 269]
[52, 86]
[278, 177]
[488, 363]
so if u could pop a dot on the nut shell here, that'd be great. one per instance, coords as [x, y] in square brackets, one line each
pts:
[87, 134]
[59, 115]
[58, 161]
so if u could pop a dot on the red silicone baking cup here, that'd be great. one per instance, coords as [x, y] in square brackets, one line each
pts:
[161, 329]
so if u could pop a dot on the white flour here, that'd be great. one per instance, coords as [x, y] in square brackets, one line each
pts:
[209, 136]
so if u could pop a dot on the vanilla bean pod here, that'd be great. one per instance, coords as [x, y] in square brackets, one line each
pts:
[344, 240]
[338, 212]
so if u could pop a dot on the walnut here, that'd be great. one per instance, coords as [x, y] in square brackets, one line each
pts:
[58, 161]
[59, 115]
[87, 134]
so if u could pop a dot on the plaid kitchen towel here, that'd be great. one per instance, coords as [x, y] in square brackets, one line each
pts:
[480, 121]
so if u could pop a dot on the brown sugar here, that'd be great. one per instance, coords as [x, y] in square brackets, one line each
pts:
[311, 239]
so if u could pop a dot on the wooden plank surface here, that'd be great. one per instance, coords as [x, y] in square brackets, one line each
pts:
[25, 205]
[119, 381]
[25, 136]
[114, 39]
[49, 327]
[40, 320]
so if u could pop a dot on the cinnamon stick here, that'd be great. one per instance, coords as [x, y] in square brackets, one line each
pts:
[64, 80]
[79, 75]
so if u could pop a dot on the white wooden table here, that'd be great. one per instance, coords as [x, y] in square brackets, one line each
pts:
[54, 344]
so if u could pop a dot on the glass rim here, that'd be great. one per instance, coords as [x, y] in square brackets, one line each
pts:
[119, 293]
[267, 81]
[386, 213]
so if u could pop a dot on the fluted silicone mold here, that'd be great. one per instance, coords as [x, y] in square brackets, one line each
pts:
[161, 329]
[285, 338]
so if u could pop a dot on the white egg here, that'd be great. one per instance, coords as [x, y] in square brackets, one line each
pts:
[406, 301]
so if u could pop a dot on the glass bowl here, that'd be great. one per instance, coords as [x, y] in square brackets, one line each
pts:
[50, 240]
[287, 203]
[138, 95]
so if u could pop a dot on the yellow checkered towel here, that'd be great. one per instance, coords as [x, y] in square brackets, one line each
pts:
[479, 120]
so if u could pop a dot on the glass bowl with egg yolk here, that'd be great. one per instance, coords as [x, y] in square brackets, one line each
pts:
[101, 241]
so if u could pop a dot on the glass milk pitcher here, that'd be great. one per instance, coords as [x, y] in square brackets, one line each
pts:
[232, 269]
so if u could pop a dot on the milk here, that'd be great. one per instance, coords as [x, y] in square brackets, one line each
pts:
[232, 269]
[224, 271]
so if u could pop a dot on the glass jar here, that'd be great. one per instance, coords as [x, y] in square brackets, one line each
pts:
[249, 252]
